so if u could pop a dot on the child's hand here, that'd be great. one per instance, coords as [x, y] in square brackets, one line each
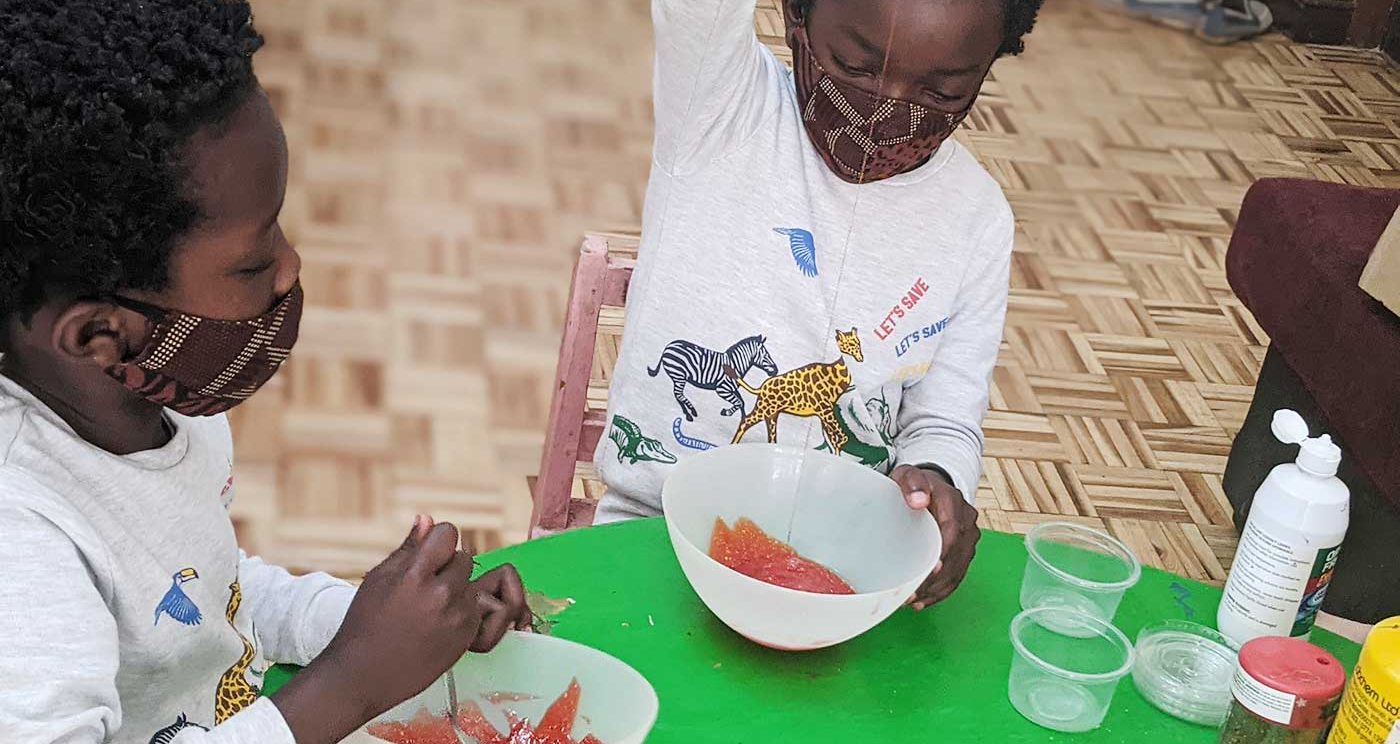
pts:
[414, 616]
[957, 520]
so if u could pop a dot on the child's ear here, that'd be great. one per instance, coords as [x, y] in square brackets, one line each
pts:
[99, 331]
[793, 17]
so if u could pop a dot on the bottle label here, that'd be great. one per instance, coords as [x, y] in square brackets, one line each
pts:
[1275, 587]
[1262, 701]
[1370, 708]
[1315, 591]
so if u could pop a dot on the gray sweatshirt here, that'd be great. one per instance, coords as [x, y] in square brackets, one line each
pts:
[860, 318]
[128, 612]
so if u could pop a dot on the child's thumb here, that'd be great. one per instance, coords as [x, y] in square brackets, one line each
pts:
[421, 525]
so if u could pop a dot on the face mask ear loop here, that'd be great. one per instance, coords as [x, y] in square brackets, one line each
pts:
[151, 312]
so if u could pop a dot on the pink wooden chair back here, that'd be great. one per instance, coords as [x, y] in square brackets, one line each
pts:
[600, 279]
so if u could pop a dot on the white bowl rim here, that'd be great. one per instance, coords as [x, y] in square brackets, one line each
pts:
[826, 598]
[548, 640]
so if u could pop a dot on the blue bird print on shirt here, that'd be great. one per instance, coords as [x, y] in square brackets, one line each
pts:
[176, 603]
[804, 248]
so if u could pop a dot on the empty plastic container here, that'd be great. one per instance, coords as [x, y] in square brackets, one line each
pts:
[1185, 670]
[1076, 567]
[847, 517]
[1066, 682]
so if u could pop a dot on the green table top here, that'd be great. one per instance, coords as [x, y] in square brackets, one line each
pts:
[939, 675]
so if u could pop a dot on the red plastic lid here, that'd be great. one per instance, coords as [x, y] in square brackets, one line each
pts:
[1294, 666]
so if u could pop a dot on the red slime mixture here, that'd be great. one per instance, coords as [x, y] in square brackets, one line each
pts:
[556, 727]
[752, 552]
[425, 728]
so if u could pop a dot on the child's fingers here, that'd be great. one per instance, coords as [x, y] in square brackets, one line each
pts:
[435, 550]
[421, 526]
[945, 513]
[414, 533]
[496, 620]
[941, 589]
[504, 584]
[457, 574]
[913, 483]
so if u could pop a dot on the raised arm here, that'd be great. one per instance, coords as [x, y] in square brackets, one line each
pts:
[710, 87]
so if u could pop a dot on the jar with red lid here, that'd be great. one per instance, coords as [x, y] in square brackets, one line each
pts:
[1286, 691]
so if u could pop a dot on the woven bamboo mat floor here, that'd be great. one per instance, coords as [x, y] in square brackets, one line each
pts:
[447, 156]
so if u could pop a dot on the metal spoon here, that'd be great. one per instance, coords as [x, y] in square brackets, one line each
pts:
[452, 712]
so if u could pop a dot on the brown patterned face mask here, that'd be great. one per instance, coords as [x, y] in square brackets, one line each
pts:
[861, 136]
[200, 366]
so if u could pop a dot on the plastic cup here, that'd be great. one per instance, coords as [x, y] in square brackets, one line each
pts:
[845, 516]
[1185, 669]
[1065, 682]
[1074, 567]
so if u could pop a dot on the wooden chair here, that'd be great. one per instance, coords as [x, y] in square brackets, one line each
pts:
[577, 420]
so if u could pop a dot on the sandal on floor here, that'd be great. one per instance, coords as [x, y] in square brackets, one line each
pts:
[1210, 20]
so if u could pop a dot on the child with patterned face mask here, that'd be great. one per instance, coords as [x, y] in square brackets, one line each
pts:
[145, 288]
[821, 265]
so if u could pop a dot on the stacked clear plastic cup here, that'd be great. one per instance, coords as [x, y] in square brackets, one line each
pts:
[1062, 680]
[1074, 567]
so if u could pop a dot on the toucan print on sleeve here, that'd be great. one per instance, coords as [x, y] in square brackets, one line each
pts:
[176, 604]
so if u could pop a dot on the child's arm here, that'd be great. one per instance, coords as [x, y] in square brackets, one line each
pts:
[296, 616]
[61, 654]
[940, 418]
[708, 80]
[416, 614]
[59, 664]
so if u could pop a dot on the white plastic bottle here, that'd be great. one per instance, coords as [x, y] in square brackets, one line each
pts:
[1290, 541]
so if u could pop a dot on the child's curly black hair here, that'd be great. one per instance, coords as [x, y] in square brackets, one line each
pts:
[98, 99]
[1020, 18]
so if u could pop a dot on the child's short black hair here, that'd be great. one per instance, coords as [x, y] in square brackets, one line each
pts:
[1020, 18]
[97, 101]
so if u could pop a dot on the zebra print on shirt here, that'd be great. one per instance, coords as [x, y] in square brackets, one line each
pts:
[167, 734]
[687, 363]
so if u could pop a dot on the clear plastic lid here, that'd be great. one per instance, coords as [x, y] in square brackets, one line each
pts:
[1185, 669]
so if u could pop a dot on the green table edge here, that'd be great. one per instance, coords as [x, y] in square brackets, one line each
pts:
[617, 573]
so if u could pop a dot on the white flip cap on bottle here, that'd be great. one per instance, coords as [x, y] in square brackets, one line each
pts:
[1317, 455]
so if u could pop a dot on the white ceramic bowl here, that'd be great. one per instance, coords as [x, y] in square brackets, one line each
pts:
[847, 517]
[618, 705]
